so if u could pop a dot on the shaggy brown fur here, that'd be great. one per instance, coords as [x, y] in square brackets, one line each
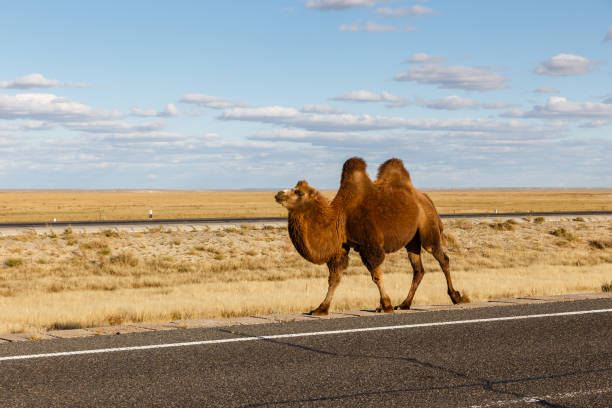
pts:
[374, 218]
[318, 232]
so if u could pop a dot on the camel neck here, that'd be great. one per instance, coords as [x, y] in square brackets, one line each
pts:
[317, 231]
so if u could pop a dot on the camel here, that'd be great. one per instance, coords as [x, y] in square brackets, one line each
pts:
[372, 217]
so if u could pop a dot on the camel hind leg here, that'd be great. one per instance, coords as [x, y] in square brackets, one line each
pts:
[444, 262]
[336, 268]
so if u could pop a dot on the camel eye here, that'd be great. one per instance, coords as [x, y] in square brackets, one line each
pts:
[299, 193]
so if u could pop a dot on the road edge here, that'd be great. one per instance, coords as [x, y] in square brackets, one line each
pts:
[280, 318]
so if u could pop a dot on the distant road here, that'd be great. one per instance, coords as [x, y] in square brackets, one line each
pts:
[155, 221]
[556, 354]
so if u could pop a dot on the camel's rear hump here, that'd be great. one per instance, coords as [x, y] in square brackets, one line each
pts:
[393, 173]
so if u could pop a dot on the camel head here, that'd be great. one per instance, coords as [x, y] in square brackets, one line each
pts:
[298, 197]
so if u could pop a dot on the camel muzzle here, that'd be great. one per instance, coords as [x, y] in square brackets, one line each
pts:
[280, 197]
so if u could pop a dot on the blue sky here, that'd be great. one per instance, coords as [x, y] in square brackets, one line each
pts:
[246, 94]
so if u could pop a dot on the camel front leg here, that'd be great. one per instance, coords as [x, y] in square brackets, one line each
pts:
[336, 268]
[372, 257]
[385, 302]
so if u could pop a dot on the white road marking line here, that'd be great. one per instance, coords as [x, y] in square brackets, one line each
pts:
[547, 398]
[293, 335]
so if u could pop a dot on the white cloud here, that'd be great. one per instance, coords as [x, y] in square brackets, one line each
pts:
[33, 81]
[318, 138]
[367, 96]
[208, 101]
[454, 77]
[48, 107]
[27, 125]
[497, 105]
[283, 116]
[546, 89]
[359, 96]
[114, 127]
[320, 109]
[169, 111]
[452, 102]
[565, 64]
[422, 58]
[596, 123]
[340, 4]
[371, 27]
[415, 10]
[148, 113]
[559, 107]
[608, 36]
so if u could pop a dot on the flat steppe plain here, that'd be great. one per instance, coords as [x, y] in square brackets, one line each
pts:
[44, 206]
[61, 279]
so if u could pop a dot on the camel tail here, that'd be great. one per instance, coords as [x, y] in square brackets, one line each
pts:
[439, 220]
[442, 238]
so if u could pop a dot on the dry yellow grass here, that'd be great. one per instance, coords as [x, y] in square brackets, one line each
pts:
[65, 279]
[44, 206]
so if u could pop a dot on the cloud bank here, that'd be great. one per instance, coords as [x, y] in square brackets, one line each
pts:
[394, 101]
[34, 81]
[454, 77]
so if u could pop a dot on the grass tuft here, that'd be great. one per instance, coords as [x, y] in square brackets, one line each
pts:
[13, 262]
[563, 233]
[508, 225]
[125, 258]
[109, 233]
[600, 243]
[65, 326]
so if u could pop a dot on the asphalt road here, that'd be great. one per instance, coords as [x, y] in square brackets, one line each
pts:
[206, 221]
[446, 358]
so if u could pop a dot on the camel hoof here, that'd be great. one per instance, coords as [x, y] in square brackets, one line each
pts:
[318, 312]
[402, 307]
[456, 297]
[388, 309]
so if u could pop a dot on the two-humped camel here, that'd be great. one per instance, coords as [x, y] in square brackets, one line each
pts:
[374, 218]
